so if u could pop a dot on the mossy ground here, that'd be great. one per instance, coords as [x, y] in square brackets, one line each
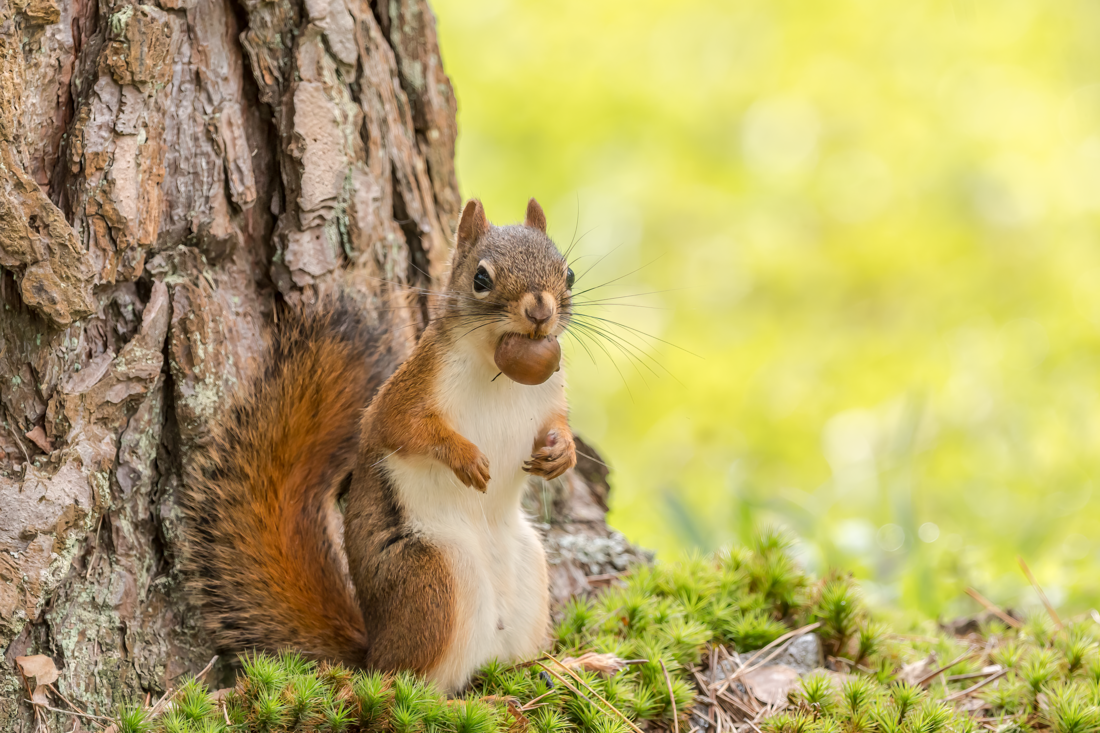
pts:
[670, 623]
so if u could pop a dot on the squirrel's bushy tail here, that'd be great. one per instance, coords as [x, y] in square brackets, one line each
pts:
[263, 556]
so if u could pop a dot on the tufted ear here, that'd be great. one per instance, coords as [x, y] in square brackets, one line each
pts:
[472, 225]
[535, 218]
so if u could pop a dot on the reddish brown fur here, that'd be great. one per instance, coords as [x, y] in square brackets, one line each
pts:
[406, 421]
[473, 224]
[263, 565]
[535, 218]
[404, 583]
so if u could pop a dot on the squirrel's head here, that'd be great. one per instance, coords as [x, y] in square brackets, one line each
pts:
[509, 279]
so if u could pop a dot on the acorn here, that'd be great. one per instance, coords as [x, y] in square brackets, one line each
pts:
[526, 360]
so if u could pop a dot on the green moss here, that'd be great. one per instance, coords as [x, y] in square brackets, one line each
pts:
[665, 617]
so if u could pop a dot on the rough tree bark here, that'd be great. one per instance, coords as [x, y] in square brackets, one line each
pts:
[168, 171]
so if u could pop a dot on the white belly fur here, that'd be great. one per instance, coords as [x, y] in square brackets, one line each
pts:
[497, 559]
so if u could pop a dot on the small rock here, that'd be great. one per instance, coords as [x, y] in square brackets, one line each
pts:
[804, 654]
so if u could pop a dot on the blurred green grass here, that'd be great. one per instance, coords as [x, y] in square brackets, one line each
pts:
[873, 223]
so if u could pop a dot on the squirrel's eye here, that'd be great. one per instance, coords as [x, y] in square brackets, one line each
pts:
[483, 281]
[569, 278]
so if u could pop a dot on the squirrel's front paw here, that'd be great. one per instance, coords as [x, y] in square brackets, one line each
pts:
[472, 467]
[556, 456]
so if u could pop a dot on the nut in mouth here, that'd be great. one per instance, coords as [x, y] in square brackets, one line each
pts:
[528, 360]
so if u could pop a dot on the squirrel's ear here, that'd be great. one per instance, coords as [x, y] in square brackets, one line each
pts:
[473, 223]
[535, 218]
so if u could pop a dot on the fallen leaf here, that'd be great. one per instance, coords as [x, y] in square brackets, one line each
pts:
[44, 672]
[40, 667]
[219, 695]
[38, 437]
[914, 672]
[771, 685]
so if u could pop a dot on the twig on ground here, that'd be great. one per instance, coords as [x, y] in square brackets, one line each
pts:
[530, 704]
[789, 635]
[745, 710]
[760, 714]
[170, 693]
[970, 676]
[782, 640]
[69, 702]
[993, 609]
[74, 713]
[703, 686]
[937, 672]
[578, 678]
[575, 691]
[671, 698]
[975, 688]
[1042, 595]
[209, 666]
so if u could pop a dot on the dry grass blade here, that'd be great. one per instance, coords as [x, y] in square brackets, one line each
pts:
[209, 666]
[788, 637]
[741, 707]
[937, 672]
[532, 704]
[575, 691]
[970, 676]
[671, 698]
[170, 694]
[74, 713]
[74, 707]
[1042, 595]
[975, 688]
[988, 605]
[703, 686]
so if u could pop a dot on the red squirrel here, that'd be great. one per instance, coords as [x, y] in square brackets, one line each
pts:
[439, 570]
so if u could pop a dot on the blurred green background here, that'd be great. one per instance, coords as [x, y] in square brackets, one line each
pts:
[874, 225]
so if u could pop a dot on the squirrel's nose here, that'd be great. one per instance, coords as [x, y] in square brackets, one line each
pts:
[540, 313]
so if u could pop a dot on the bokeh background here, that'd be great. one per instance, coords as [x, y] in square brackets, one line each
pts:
[871, 229]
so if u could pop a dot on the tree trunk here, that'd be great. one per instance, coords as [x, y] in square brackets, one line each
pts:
[167, 172]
